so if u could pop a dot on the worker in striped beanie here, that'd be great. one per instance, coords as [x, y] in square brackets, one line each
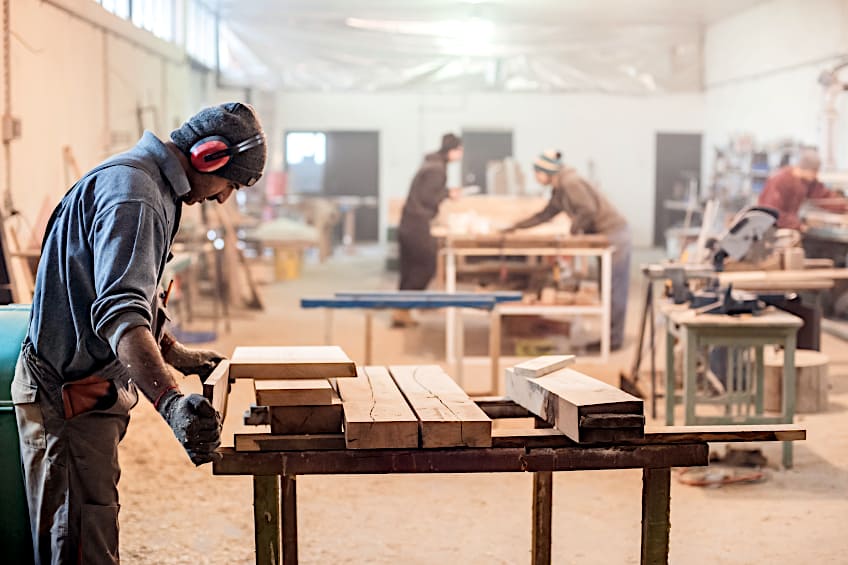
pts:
[590, 213]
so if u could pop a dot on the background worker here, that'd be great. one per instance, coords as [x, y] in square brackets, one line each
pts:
[788, 188]
[91, 341]
[418, 248]
[590, 213]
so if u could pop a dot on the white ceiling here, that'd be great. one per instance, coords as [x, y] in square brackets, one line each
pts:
[626, 46]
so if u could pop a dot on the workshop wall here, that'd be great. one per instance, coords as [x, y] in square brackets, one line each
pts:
[761, 71]
[616, 132]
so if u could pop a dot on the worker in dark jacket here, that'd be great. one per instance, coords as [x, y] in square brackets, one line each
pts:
[788, 188]
[418, 248]
[94, 336]
[590, 213]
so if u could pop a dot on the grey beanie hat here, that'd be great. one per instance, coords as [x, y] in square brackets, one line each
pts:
[235, 122]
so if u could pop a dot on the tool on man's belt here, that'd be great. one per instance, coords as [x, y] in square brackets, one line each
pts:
[162, 316]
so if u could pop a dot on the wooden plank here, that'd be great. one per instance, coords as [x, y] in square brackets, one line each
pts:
[307, 392]
[308, 362]
[446, 416]
[544, 365]
[270, 442]
[612, 421]
[300, 420]
[376, 415]
[549, 437]
[216, 387]
[562, 398]
[452, 460]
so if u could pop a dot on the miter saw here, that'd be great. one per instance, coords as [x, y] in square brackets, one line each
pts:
[750, 237]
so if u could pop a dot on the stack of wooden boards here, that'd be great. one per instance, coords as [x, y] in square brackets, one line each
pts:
[315, 398]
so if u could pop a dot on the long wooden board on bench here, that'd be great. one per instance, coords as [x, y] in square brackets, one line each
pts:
[447, 417]
[376, 415]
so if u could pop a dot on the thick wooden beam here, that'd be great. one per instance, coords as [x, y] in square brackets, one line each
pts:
[565, 396]
[270, 442]
[312, 362]
[266, 519]
[216, 387]
[302, 392]
[446, 416]
[301, 420]
[535, 438]
[376, 415]
[470, 460]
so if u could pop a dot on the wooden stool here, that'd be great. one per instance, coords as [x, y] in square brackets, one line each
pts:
[811, 382]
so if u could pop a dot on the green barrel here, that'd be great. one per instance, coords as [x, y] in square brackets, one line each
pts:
[14, 519]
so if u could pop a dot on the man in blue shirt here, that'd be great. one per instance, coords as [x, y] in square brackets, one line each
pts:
[95, 336]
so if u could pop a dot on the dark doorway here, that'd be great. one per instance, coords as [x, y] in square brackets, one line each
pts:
[353, 169]
[480, 147]
[341, 165]
[678, 170]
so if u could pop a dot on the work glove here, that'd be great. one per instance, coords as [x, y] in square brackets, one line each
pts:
[195, 423]
[200, 362]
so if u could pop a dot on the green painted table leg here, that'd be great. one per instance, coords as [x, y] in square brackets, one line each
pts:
[788, 392]
[266, 519]
[288, 507]
[543, 484]
[656, 504]
[690, 386]
[669, 375]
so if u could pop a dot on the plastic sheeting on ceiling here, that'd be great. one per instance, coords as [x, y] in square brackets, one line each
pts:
[614, 46]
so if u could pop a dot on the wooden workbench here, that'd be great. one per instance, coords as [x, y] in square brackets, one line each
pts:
[541, 241]
[539, 451]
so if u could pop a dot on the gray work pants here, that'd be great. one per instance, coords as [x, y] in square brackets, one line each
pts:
[620, 285]
[70, 466]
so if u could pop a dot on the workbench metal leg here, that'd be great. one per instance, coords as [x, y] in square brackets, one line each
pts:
[656, 503]
[288, 507]
[459, 335]
[690, 382]
[450, 315]
[266, 519]
[369, 328]
[606, 304]
[669, 375]
[495, 349]
[543, 485]
[653, 349]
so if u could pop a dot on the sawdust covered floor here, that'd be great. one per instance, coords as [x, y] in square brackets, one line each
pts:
[172, 512]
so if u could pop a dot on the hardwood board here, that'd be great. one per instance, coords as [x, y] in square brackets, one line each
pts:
[311, 392]
[376, 415]
[549, 437]
[446, 416]
[563, 397]
[271, 442]
[544, 365]
[308, 362]
[300, 420]
[216, 388]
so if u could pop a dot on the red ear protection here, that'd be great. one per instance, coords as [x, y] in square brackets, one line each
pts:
[211, 153]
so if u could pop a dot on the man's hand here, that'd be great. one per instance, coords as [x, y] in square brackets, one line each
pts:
[200, 362]
[195, 424]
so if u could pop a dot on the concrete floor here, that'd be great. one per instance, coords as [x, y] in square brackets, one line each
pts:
[175, 513]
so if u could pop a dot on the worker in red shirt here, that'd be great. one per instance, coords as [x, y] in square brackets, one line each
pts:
[789, 187]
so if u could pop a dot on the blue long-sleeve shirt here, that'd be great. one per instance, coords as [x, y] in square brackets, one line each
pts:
[103, 258]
